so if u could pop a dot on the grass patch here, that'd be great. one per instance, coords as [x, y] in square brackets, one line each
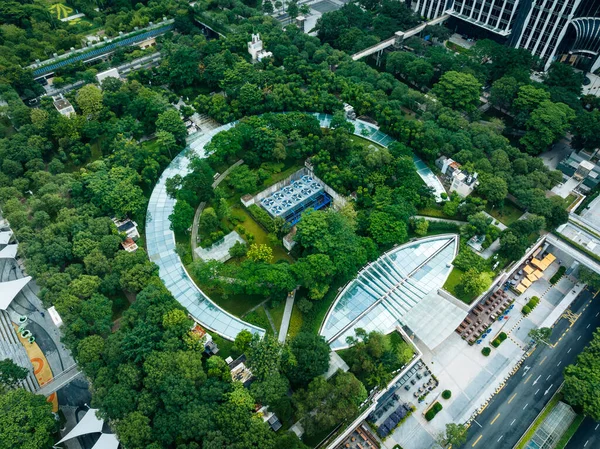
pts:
[225, 347]
[60, 10]
[277, 314]
[570, 432]
[434, 211]
[453, 282]
[295, 322]
[260, 235]
[259, 318]
[538, 421]
[507, 214]
[362, 141]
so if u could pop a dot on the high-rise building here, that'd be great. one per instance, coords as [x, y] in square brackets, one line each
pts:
[565, 30]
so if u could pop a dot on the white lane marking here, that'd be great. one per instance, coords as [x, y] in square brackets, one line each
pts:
[535, 381]
[596, 428]
[578, 338]
[546, 392]
[586, 443]
[558, 364]
[588, 326]
[513, 421]
[536, 391]
[500, 438]
[548, 376]
[525, 406]
[598, 314]
[569, 350]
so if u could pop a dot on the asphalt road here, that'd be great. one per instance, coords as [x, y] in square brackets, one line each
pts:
[511, 412]
[587, 436]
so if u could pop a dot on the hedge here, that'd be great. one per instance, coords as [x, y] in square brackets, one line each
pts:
[560, 273]
[499, 339]
[262, 217]
[531, 304]
[446, 394]
[434, 410]
[486, 351]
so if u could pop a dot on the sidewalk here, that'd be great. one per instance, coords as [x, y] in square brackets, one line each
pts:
[287, 316]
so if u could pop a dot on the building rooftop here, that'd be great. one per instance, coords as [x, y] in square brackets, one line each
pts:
[399, 288]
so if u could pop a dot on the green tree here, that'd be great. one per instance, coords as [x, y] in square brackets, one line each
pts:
[11, 374]
[270, 390]
[182, 217]
[260, 253]
[421, 227]
[89, 100]
[546, 124]
[209, 222]
[582, 378]
[167, 143]
[386, 230]
[242, 341]
[541, 335]
[264, 356]
[314, 272]
[311, 353]
[455, 435]
[493, 188]
[134, 430]
[326, 404]
[170, 121]
[473, 282]
[26, 420]
[589, 277]
[458, 90]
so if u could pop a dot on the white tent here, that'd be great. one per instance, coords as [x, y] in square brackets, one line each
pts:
[88, 424]
[10, 289]
[107, 441]
[5, 237]
[9, 252]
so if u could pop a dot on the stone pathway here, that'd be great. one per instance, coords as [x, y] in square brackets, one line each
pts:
[287, 316]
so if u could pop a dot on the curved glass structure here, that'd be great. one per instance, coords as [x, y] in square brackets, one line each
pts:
[401, 287]
[160, 240]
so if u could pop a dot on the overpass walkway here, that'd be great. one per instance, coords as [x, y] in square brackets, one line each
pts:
[59, 381]
[399, 37]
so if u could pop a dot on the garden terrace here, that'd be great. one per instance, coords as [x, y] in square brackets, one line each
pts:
[161, 248]
[401, 287]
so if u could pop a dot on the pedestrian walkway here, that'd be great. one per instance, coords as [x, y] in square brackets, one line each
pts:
[287, 316]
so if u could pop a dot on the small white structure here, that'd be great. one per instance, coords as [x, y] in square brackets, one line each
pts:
[10, 289]
[127, 226]
[111, 73]
[464, 183]
[64, 106]
[256, 49]
[5, 237]
[89, 424]
[9, 251]
[349, 112]
[56, 319]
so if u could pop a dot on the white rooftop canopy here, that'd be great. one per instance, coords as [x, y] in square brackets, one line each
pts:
[90, 423]
[5, 237]
[9, 252]
[10, 289]
[107, 441]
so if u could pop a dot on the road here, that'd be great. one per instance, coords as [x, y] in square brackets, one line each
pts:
[587, 436]
[511, 412]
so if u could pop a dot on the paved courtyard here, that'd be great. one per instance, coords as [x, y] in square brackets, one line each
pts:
[469, 375]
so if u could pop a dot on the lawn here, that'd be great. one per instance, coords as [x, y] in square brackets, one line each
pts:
[260, 235]
[452, 282]
[506, 215]
[434, 211]
[259, 318]
[277, 314]
[295, 322]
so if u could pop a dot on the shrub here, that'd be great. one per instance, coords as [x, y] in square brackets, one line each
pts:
[534, 301]
[526, 310]
[560, 273]
[437, 407]
[262, 217]
[502, 336]
[429, 415]
[486, 351]
[446, 394]
[434, 410]
[496, 343]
